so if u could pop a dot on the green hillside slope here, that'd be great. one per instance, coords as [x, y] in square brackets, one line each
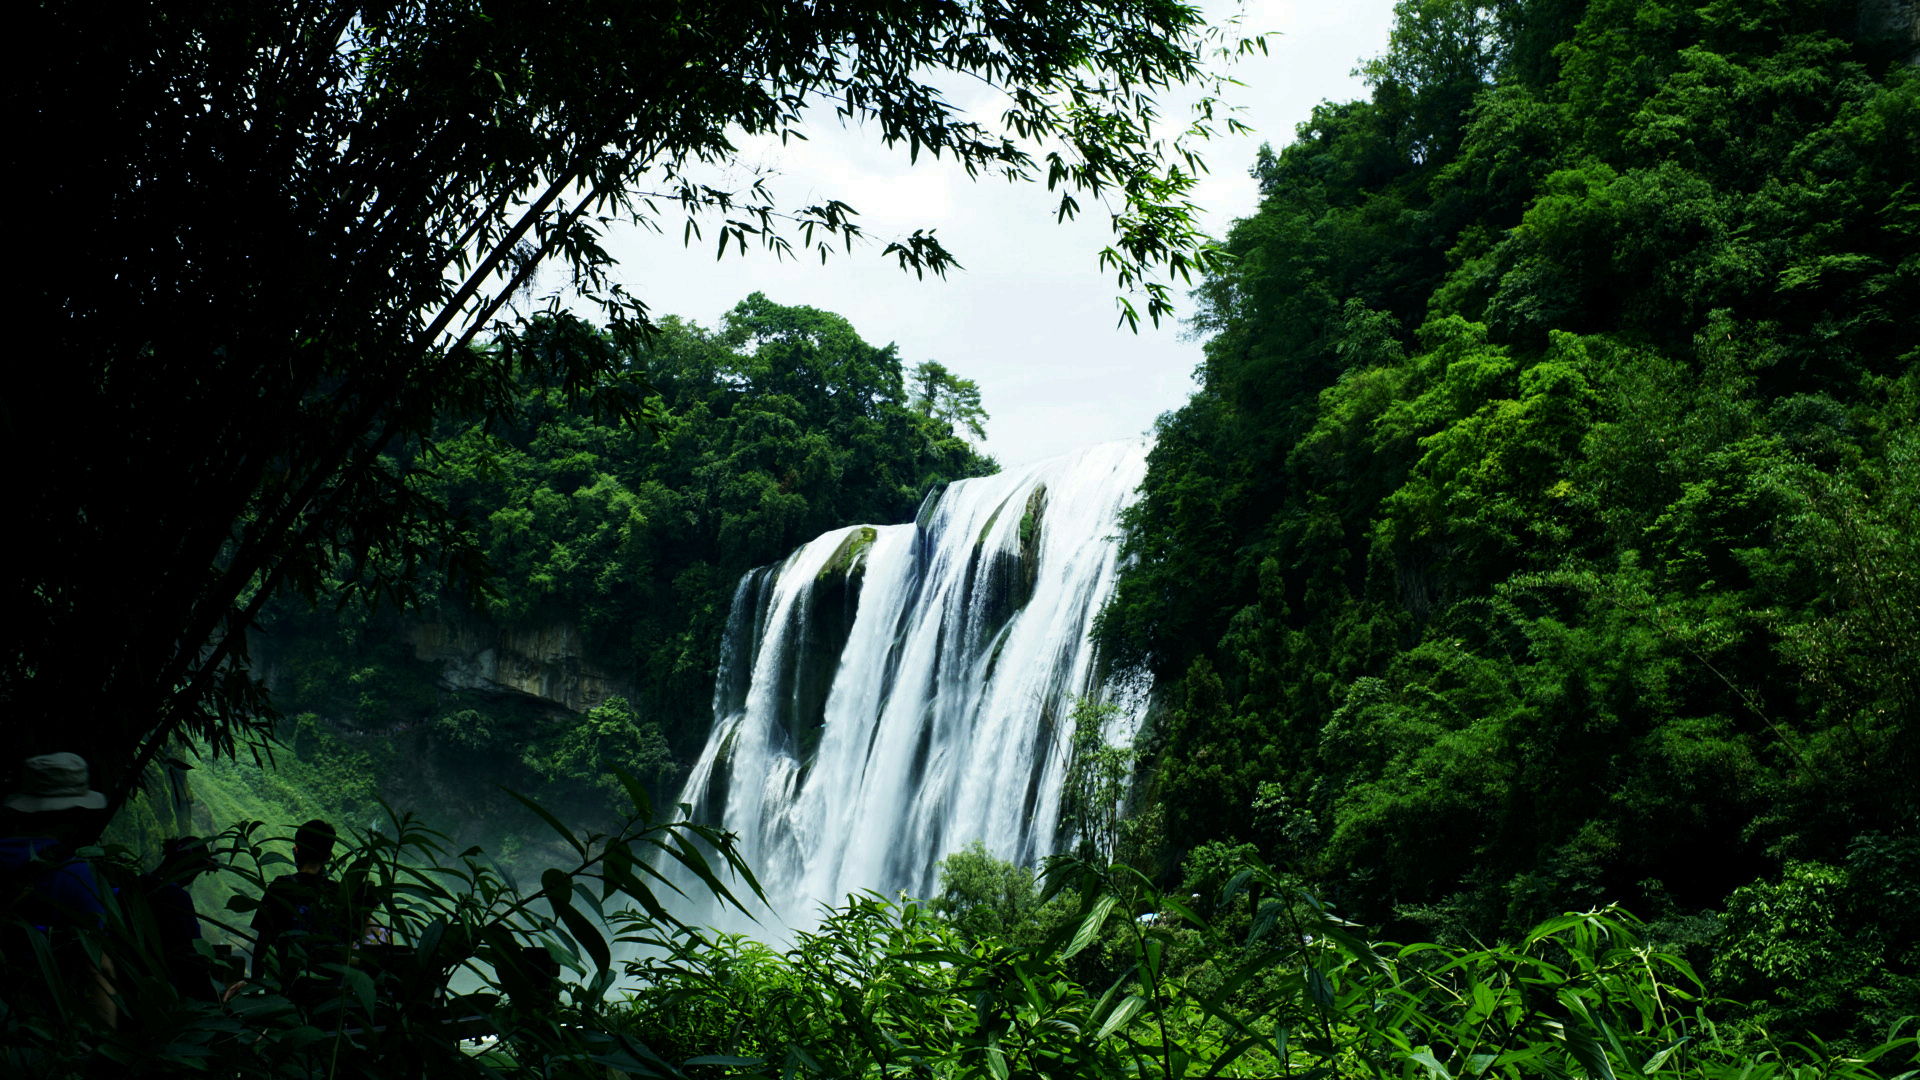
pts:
[1544, 532]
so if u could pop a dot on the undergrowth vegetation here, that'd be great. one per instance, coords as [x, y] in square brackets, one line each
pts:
[1137, 983]
[450, 967]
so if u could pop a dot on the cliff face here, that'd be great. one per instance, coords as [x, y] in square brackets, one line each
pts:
[547, 663]
[445, 713]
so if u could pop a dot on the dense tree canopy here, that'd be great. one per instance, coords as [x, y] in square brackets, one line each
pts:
[275, 243]
[780, 424]
[1544, 532]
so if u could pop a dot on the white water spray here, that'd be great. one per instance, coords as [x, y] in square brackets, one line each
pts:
[889, 694]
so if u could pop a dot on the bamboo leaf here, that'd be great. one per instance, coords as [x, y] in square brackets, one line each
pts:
[642, 802]
[559, 889]
[552, 822]
[587, 934]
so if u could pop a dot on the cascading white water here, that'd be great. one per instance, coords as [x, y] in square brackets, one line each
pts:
[890, 694]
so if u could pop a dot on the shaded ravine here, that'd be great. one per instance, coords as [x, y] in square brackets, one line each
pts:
[889, 694]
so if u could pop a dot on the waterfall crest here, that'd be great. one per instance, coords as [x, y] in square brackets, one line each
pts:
[890, 694]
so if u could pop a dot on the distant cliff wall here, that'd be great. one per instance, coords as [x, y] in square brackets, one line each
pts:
[546, 662]
[1896, 21]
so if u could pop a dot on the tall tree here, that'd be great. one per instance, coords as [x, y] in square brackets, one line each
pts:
[277, 240]
[948, 398]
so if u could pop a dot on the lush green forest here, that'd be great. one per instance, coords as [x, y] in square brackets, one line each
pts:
[1546, 532]
[1544, 538]
[776, 426]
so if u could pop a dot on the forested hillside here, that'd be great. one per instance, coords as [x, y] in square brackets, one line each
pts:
[773, 428]
[1544, 532]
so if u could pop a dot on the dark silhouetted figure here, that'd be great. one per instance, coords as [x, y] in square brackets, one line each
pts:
[302, 932]
[44, 889]
[176, 920]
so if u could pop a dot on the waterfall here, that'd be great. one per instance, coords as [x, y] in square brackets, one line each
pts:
[889, 694]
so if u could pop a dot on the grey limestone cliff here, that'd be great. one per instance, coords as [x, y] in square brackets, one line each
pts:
[546, 662]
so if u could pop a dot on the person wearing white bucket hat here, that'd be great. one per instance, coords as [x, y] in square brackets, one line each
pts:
[55, 782]
[47, 890]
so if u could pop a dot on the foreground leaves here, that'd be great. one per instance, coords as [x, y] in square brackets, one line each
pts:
[882, 988]
[461, 972]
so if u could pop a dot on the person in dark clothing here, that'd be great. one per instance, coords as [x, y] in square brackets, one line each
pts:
[47, 891]
[301, 925]
[175, 918]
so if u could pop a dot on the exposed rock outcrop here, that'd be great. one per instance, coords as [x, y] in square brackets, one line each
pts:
[548, 663]
[1895, 22]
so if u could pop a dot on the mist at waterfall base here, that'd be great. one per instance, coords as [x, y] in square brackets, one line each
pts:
[889, 694]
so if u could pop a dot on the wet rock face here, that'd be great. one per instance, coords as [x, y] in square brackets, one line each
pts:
[826, 622]
[1001, 577]
[543, 662]
[1895, 23]
[1030, 522]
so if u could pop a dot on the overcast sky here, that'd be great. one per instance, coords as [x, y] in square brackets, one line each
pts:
[1031, 317]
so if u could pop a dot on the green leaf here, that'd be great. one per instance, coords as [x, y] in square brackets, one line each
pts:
[1553, 926]
[996, 1063]
[1125, 1011]
[1660, 1057]
[1588, 1052]
[1483, 999]
[1319, 989]
[559, 890]
[429, 941]
[552, 822]
[934, 956]
[1352, 946]
[362, 988]
[1233, 1054]
[1525, 1053]
[1235, 885]
[304, 1035]
[1090, 926]
[642, 802]
[1424, 1058]
[1174, 905]
[686, 854]
[589, 937]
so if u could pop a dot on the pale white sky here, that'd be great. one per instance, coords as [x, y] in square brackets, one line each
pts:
[1032, 316]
